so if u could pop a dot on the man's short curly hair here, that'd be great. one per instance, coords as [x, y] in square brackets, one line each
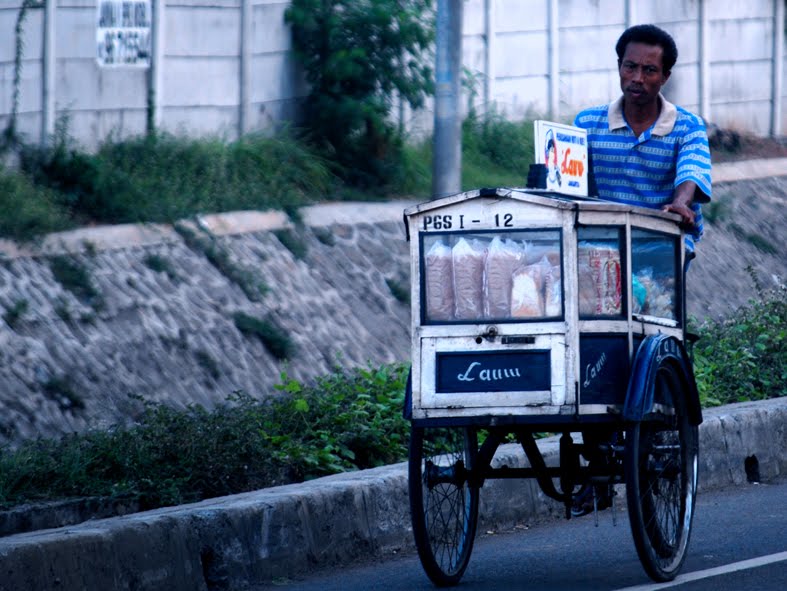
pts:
[650, 35]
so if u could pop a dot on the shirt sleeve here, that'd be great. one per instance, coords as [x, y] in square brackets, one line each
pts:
[694, 161]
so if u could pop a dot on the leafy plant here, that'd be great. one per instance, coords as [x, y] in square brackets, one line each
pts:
[272, 336]
[399, 291]
[251, 285]
[74, 277]
[61, 391]
[744, 357]
[348, 420]
[26, 211]
[160, 264]
[358, 56]
[14, 314]
[163, 178]
[292, 242]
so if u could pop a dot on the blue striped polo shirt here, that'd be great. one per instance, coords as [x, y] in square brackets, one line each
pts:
[645, 170]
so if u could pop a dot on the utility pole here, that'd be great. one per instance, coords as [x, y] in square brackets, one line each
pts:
[447, 149]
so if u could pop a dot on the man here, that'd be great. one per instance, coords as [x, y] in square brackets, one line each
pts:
[645, 151]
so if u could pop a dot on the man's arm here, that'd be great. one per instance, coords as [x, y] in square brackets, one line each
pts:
[682, 198]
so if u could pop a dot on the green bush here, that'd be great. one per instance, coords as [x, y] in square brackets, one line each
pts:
[496, 152]
[75, 277]
[348, 420]
[744, 357]
[27, 211]
[163, 178]
[276, 341]
[358, 56]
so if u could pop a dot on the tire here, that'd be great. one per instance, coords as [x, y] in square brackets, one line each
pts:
[443, 504]
[661, 479]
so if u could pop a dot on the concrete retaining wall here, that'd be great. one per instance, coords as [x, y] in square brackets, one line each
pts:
[253, 538]
[160, 323]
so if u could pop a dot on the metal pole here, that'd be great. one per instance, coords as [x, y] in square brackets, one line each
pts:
[447, 150]
[156, 59]
[489, 55]
[244, 115]
[553, 45]
[48, 74]
[704, 77]
[778, 68]
[631, 13]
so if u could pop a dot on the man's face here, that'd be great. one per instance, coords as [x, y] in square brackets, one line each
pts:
[641, 73]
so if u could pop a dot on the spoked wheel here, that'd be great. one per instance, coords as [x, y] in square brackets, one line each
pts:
[443, 504]
[661, 479]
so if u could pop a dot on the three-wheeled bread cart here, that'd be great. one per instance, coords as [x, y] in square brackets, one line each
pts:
[537, 312]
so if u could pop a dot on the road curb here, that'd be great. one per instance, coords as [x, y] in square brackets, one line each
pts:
[253, 538]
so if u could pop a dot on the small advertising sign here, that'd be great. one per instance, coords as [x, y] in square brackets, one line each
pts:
[123, 33]
[564, 151]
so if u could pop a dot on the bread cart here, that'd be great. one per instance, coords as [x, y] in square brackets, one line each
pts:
[539, 312]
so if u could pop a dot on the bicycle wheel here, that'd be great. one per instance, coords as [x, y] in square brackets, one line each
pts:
[443, 504]
[661, 479]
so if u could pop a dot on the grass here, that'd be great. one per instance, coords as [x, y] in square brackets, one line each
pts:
[341, 422]
[347, 420]
[165, 178]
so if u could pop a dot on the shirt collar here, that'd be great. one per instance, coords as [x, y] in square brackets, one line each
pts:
[663, 125]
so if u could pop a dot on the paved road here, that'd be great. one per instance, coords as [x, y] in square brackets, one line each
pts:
[747, 523]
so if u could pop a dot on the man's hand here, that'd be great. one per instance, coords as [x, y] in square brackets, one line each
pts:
[681, 202]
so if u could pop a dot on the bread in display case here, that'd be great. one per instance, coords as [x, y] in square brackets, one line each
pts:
[500, 276]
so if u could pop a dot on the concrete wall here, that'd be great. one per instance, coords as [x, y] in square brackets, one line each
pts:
[165, 331]
[202, 90]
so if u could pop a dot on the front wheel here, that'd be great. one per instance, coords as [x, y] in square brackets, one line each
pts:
[443, 502]
[661, 479]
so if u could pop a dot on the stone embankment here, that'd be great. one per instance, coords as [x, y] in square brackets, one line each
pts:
[96, 317]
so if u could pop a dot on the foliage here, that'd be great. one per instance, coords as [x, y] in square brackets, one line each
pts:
[162, 178]
[495, 151]
[27, 211]
[159, 264]
[292, 242]
[245, 278]
[10, 136]
[14, 314]
[272, 336]
[744, 357]
[357, 56]
[74, 277]
[345, 421]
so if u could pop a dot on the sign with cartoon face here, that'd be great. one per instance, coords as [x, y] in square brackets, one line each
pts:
[563, 149]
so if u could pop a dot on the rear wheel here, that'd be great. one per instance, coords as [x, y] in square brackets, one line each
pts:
[661, 478]
[443, 503]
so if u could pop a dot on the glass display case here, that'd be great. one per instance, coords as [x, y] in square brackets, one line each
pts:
[600, 271]
[505, 276]
[654, 271]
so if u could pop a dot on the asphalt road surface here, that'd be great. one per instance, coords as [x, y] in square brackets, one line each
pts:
[739, 542]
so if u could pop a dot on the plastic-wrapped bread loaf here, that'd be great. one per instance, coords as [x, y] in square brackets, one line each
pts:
[553, 301]
[599, 280]
[501, 260]
[526, 292]
[439, 283]
[468, 258]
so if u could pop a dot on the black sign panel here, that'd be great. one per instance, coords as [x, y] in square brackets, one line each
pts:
[603, 368]
[494, 371]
